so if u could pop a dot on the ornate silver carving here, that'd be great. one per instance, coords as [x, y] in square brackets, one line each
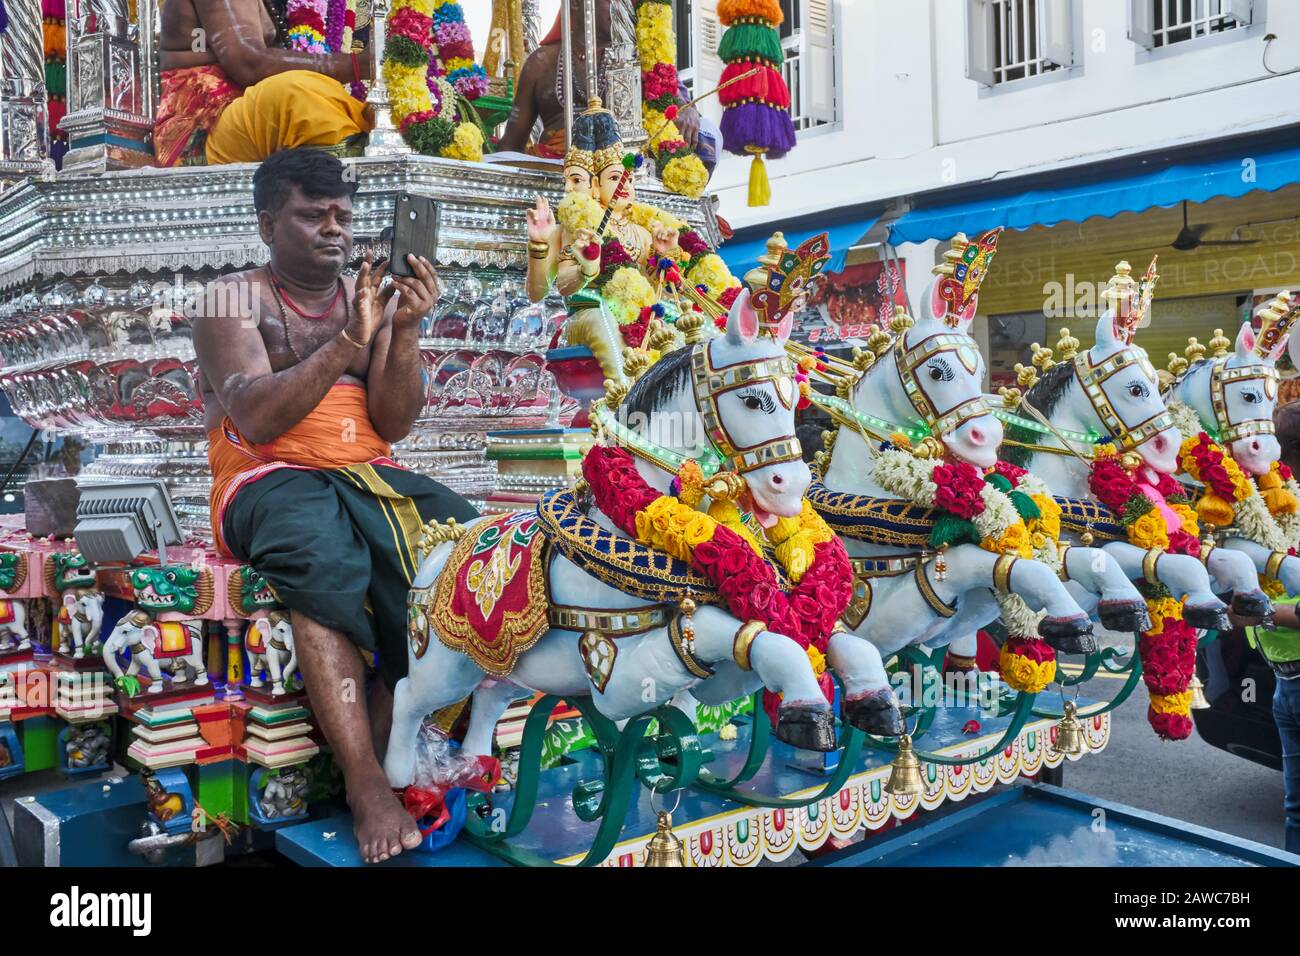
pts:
[623, 74]
[24, 133]
[385, 140]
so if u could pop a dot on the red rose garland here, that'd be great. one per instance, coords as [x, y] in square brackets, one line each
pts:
[1168, 649]
[748, 584]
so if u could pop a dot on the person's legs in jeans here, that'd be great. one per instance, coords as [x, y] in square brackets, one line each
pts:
[1286, 714]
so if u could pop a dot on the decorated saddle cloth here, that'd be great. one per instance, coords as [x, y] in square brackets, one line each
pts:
[490, 602]
[888, 521]
[6, 611]
[173, 639]
[1080, 515]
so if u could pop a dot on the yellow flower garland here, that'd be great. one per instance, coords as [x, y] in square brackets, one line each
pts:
[627, 293]
[579, 211]
[1025, 675]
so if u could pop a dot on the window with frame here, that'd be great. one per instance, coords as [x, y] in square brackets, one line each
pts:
[1155, 24]
[807, 41]
[1009, 40]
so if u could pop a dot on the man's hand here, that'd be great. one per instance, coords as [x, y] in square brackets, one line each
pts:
[418, 292]
[688, 123]
[368, 303]
[540, 220]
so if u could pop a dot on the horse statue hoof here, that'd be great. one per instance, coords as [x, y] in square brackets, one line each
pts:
[1123, 616]
[1207, 618]
[808, 728]
[1068, 635]
[875, 714]
[1255, 604]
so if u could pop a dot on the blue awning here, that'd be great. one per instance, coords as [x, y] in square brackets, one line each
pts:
[742, 256]
[1243, 172]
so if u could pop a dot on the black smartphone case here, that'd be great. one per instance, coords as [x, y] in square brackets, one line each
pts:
[415, 231]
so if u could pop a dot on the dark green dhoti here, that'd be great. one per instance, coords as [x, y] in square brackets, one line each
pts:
[339, 546]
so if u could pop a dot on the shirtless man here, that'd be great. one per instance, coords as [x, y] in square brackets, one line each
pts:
[304, 386]
[212, 51]
[535, 95]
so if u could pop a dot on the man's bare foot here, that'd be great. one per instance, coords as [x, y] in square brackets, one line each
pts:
[383, 827]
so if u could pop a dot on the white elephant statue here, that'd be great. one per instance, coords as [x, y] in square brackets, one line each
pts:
[79, 622]
[269, 643]
[154, 645]
[13, 625]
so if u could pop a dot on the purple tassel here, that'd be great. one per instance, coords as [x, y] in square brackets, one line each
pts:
[757, 124]
[4, 17]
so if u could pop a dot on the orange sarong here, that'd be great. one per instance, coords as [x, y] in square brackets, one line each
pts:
[193, 99]
[337, 433]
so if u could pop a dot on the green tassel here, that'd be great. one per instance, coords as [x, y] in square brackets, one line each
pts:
[750, 40]
[56, 78]
[1000, 482]
[950, 530]
[1025, 506]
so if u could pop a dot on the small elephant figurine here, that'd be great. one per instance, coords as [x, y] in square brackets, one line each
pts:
[80, 618]
[269, 642]
[177, 644]
[13, 625]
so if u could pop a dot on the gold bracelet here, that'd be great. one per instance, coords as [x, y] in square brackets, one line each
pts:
[351, 341]
[1274, 564]
[1149, 561]
[745, 635]
[1002, 572]
[539, 245]
[1061, 549]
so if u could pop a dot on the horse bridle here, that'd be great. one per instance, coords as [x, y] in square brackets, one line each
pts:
[909, 360]
[1221, 375]
[1092, 377]
[710, 382]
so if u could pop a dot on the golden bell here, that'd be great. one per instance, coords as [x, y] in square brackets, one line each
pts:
[1070, 740]
[905, 771]
[664, 849]
[1199, 700]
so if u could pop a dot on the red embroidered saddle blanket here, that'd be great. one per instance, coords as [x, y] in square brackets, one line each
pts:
[491, 599]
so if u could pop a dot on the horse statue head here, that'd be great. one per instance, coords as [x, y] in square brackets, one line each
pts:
[1235, 393]
[930, 380]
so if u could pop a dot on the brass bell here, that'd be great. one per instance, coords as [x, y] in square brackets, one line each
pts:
[664, 849]
[1070, 739]
[1199, 700]
[905, 771]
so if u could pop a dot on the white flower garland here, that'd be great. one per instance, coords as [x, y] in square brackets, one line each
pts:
[903, 474]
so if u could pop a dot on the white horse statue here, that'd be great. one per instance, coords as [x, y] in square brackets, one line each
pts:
[730, 398]
[177, 644]
[928, 379]
[1112, 391]
[1232, 397]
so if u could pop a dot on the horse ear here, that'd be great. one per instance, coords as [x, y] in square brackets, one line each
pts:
[1107, 341]
[1245, 342]
[742, 321]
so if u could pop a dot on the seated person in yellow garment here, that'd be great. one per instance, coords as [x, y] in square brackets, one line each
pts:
[307, 375]
[232, 92]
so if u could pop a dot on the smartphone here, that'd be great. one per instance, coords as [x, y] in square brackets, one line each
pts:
[415, 232]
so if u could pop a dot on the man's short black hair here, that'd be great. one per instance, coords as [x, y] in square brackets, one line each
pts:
[316, 173]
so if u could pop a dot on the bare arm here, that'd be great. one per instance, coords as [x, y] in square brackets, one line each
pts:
[263, 404]
[234, 32]
[575, 271]
[523, 113]
[395, 382]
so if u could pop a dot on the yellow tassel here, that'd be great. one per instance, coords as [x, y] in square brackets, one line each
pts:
[1214, 510]
[760, 190]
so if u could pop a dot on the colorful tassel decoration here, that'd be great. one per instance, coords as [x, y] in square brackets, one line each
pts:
[756, 119]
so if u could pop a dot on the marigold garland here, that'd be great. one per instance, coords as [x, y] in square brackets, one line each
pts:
[676, 164]
[1168, 648]
[807, 614]
[1224, 482]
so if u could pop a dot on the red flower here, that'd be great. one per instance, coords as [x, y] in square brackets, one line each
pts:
[1170, 726]
[1012, 473]
[660, 81]
[958, 492]
[728, 296]
[1284, 472]
[691, 243]
[1034, 648]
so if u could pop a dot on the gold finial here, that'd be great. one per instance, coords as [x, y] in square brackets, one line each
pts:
[863, 360]
[593, 104]
[880, 342]
[1067, 345]
[756, 278]
[952, 255]
[1195, 351]
[828, 438]
[1026, 376]
[1220, 344]
[1010, 396]
[844, 388]
[615, 392]
[660, 338]
[1177, 365]
[901, 321]
[820, 461]
[1275, 321]
[1122, 298]
[635, 363]
[694, 327]
[1040, 356]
